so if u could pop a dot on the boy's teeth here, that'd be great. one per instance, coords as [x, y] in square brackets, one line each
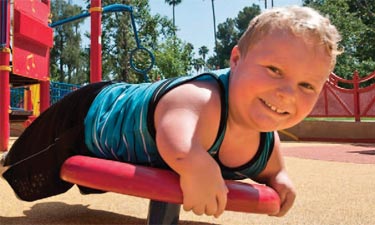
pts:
[273, 108]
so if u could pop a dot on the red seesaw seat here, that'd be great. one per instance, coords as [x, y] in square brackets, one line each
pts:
[160, 185]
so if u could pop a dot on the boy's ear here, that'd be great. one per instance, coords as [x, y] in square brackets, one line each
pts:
[234, 56]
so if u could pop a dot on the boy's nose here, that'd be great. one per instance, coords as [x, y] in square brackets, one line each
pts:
[286, 93]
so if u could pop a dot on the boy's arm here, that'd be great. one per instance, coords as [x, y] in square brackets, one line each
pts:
[275, 176]
[179, 119]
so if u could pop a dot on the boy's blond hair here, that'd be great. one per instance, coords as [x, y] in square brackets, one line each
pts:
[304, 22]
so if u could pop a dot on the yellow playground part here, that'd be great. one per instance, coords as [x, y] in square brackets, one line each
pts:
[32, 99]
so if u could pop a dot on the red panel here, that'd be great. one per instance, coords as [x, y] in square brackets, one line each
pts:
[161, 185]
[26, 27]
[32, 39]
[35, 8]
[30, 60]
[336, 101]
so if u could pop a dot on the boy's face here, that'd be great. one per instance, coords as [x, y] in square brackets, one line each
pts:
[277, 83]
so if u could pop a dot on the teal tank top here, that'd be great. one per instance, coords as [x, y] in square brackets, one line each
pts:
[119, 125]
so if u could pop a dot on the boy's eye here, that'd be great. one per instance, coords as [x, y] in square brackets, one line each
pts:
[274, 70]
[307, 86]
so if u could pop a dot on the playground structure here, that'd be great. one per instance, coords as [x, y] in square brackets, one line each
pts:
[336, 101]
[31, 42]
[342, 100]
[29, 54]
[162, 186]
[25, 56]
[26, 60]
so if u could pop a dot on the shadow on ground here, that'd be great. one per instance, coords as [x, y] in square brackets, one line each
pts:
[365, 152]
[61, 213]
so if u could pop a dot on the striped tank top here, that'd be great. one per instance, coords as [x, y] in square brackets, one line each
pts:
[120, 125]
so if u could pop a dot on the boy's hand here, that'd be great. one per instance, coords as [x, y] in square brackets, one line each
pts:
[284, 187]
[204, 191]
[187, 120]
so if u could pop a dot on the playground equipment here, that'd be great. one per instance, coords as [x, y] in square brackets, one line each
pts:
[161, 186]
[32, 40]
[133, 53]
[24, 59]
[356, 102]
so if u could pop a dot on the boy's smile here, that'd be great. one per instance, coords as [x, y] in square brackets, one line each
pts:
[276, 84]
[274, 108]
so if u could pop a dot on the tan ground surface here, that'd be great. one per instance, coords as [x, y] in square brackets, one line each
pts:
[329, 192]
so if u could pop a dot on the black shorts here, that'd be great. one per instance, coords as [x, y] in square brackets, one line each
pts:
[36, 157]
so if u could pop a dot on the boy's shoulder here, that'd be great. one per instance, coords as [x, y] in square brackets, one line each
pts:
[221, 77]
[214, 73]
[220, 72]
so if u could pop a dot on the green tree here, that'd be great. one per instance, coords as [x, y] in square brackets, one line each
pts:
[173, 3]
[356, 23]
[245, 16]
[67, 58]
[173, 58]
[155, 33]
[118, 39]
[203, 51]
[228, 34]
[198, 64]
[366, 44]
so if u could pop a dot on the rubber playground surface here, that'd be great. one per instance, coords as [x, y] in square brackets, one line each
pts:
[335, 185]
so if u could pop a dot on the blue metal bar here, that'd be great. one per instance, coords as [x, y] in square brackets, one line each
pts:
[70, 19]
[117, 8]
[122, 8]
[106, 9]
[109, 8]
[135, 31]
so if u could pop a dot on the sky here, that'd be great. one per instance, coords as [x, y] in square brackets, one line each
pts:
[194, 18]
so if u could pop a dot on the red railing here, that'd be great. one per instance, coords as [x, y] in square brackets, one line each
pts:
[357, 101]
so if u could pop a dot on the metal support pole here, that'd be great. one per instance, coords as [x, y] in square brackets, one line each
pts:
[357, 106]
[44, 95]
[4, 75]
[28, 103]
[163, 213]
[96, 41]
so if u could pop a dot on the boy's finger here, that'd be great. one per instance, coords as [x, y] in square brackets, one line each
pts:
[221, 204]
[199, 210]
[211, 208]
[187, 206]
[286, 204]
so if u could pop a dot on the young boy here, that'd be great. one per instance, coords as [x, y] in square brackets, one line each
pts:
[206, 128]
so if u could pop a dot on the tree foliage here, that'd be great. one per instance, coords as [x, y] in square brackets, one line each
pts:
[70, 61]
[174, 57]
[173, 3]
[67, 59]
[156, 33]
[355, 19]
[203, 52]
[229, 33]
